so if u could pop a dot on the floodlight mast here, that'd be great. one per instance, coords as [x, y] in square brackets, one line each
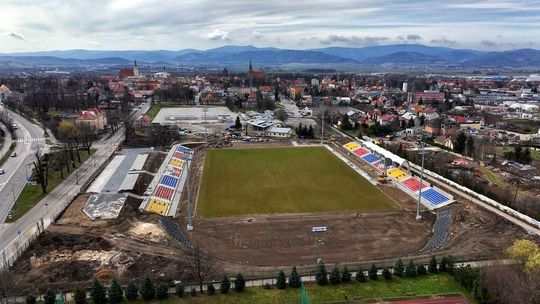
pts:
[190, 223]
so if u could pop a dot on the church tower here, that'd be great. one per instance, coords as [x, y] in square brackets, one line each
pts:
[136, 69]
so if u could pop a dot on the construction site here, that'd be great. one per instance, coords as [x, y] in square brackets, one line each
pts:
[148, 234]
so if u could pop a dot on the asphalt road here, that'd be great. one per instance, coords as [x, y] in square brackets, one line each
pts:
[30, 137]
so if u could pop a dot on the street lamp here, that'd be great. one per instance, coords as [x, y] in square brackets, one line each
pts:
[423, 153]
[319, 243]
[190, 223]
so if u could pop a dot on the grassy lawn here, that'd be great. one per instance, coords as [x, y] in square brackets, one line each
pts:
[492, 177]
[283, 180]
[396, 288]
[32, 194]
[535, 155]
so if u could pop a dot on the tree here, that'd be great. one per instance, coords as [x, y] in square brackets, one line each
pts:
[98, 293]
[345, 275]
[79, 295]
[470, 146]
[410, 124]
[237, 123]
[210, 289]
[432, 268]
[399, 268]
[281, 114]
[225, 285]
[345, 123]
[294, 279]
[321, 275]
[41, 169]
[115, 292]
[239, 283]
[360, 276]
[132, 292]
[49, 297]
[335, 276]
[447, 264]
[179, 290]
[372, 272]
[421, 269]
[7, 285]
[147, 289]
[281, 282]
[162, 292]
[200, 266]
[30, 299]
[410, 270]
[387, 275]
[460, 142]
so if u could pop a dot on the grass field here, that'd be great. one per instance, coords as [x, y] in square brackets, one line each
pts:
[371, 290]
[283, 180]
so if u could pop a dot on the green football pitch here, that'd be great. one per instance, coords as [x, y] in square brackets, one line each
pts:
[283, 180]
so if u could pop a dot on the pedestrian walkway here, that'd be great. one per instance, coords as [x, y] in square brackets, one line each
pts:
[26, 140]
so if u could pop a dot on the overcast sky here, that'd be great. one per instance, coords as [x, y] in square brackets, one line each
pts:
[29, 25]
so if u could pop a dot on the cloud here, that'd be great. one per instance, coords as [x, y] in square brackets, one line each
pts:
[489, 43]
[16, 36]
[351, 40]
[443, 41]
[414, 37]
[219, 34]
[257, 35]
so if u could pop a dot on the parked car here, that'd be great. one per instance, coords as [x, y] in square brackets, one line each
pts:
[2, 171]
[14, 154]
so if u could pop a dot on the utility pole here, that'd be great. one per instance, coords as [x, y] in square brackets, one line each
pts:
[423, 152]
[322, 126]
[190, 223]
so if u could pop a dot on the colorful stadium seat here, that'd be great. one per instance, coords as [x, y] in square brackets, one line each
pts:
[434, 197]
[397, 174]
[360, 152]
[177, 162]
[164, 192]
[413, 184]
[351, 146]
[370, 158]
[169, 180]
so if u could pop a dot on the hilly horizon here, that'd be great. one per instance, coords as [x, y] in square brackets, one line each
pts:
[395, 55]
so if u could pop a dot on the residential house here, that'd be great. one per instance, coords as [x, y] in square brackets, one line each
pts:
[93, 118]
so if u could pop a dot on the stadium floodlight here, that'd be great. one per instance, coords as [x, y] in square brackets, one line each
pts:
[190, 223]
[423, 153]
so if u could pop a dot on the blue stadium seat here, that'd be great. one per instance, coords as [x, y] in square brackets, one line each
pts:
[434, 197]
[370, 158]
[169, 180]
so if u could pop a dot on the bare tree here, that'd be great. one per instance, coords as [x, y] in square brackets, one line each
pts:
[200, 266]
[41, 168]
[510, 284]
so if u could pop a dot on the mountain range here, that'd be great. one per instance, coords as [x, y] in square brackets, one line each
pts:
[399, 55]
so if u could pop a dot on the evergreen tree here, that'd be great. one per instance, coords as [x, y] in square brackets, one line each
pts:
[387, 275]
[193, 292]
[421, 269]
[460, 142]
[49, 297]
[450, 261]
[225, 285]
[31, 299]
[410, 124]
[294, 279]
[345, 123]
[410, 271]
[432, 268]
[210, 289]
[322, 275]
[360, 276]
[345, 275]
[239, 283]
[399, 268]
[162, 292]
[335, 276]
[115, 292]
[311, 132]
[132, 292]
[372, 272]
[470, 146]
[98, 293]
[79, 295]
[147, 289]
[281, 282]
[444, 264]
[179, 290]
[237, 123]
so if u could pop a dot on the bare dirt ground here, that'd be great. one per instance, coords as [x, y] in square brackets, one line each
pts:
[78, 249]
